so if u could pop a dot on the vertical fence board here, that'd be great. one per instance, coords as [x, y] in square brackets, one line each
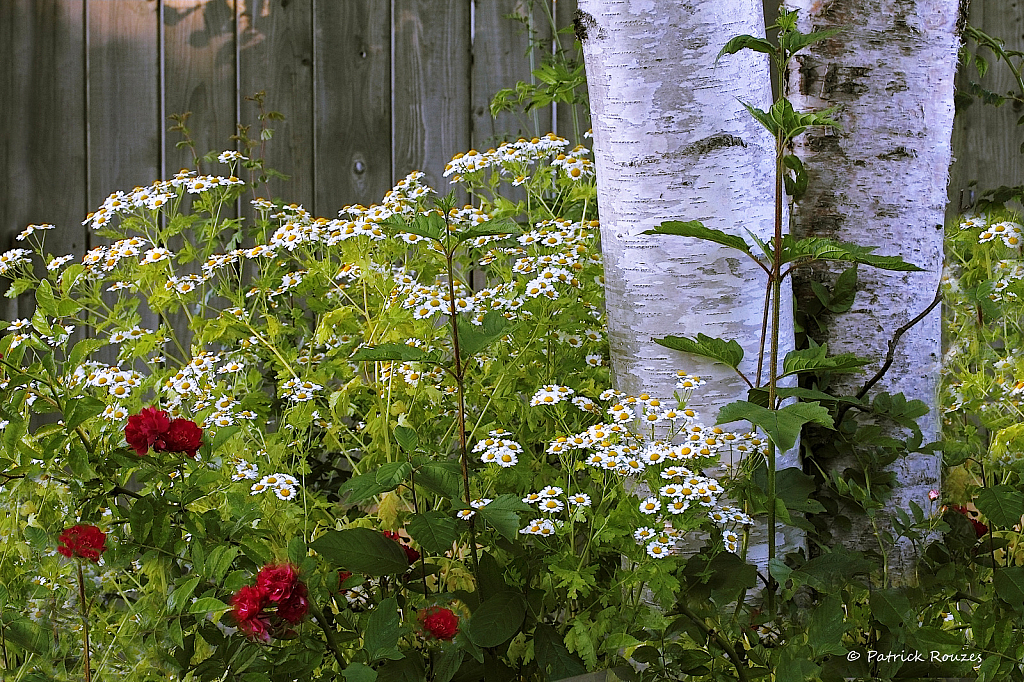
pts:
[570, 118]
[352, 103]
[275, 54]
[124, 139]
[500, 60]
[199, 54]
[431, 85]
[42, 109]
[986, 139]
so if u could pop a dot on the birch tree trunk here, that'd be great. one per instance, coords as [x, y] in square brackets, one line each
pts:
[673, 142]
[882, 182]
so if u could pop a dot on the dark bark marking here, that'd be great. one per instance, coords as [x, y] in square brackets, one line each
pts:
[697, 149]
[898, 153]
[847, 80]
[582, 22]
[898, 84]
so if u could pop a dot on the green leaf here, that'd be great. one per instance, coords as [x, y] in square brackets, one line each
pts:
[491, 228]
[727, 352]
[223, 434]
[435, 531]
[140, 518]
[390, 351]
[1009, 586]
[501, 513]
[383, 628]
[696, 229]
[406, 438]
[1001, 504]
[208, 605]
[82, 350]
[764, 118]
[392, 474]
[45, 300]
[552, 656]
[447, 663]
[746, 42]
[442, 478]
[891, 608]
[497, 620]
[817, 359]
[361, 488]
[181, 595]
[359, 672]
[219, 562]
[30, 636]
[430, 226]
[820, 248]
[796, 186]
[795, 488]
[794, 41]
[473, 339]
[362, 550]
[827, 627]
[782, 426]
[77, 411]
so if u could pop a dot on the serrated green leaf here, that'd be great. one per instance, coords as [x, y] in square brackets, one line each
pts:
[746, 42]
[727, 352]
[181, 595]
[208, 605]
[473, 338]
[45, 300]
[552, 656]
[362, 550]
[827, 627]
[697, 230]
[383, 628]
[392, 474]
[435, 531]
[406, 438]
[891, 608]
[783, 425]
[361, 488]
[497, 619]
[1009, 586]
[1002, 505]
[817, 359]
[794, 41]
[359, 672]
[490, 228]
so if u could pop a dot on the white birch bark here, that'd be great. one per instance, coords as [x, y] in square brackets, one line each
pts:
[673, 142]
[882, 182]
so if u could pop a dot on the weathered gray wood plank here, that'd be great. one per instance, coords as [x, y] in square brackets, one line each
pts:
[431, 86]
[352, 103]
[571, 120]
[124, 113]
[42, 109]
[199, 58]
[500, 60]
[275, 54]
[986, 140]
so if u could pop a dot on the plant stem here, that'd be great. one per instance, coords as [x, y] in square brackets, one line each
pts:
[85, 620]
[741, 670]
[332, 640]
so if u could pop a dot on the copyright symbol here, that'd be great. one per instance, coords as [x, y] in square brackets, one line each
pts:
[852, 656]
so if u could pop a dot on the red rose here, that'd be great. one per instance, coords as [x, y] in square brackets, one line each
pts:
[277, 582]
[342, 577]
[295, 606]
[146, 429]
[87, 542]
[182, 436]
[256, 628]
[980, 529]
[439, 622]
[248, 602]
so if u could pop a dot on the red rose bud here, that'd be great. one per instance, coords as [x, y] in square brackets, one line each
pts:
[439, 622]
[277, 582]
[146, 429]
[86, 542]
[183, 436]
[980, 529]
[248, 604]
[342, 577]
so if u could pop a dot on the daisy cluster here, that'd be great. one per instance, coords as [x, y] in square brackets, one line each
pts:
[551, 500]
[1006, 271]
[676, 460]
[497, 449]
[284, 486]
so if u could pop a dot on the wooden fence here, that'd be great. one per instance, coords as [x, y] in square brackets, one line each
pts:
[370, 90]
